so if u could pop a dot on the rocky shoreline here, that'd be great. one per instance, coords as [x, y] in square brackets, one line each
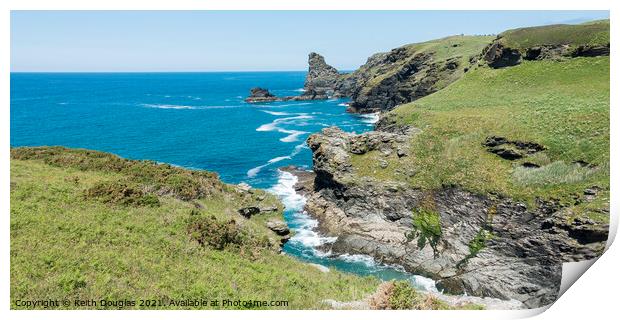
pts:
[484, 245]
[522, 260]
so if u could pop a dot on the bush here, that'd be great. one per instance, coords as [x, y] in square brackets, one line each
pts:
[122, 193]
[161, 178]
[210, 232]
[427, 228]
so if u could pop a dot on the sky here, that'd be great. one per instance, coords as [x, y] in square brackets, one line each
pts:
[142, 41]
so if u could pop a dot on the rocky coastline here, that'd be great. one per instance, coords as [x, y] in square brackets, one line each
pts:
[483, 245]
[521, 261]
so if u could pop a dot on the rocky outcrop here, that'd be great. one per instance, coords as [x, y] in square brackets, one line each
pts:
[258, 95]
[321, 77]
[591, 51]
[498, 56]
[405, 74]
[483, 245]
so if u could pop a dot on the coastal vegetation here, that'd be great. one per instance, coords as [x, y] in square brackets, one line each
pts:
[90, 225]
[562, 106]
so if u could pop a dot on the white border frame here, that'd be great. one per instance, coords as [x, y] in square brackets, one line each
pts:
[592, 296]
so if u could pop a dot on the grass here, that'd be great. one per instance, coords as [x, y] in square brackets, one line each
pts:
[460, 48]
[592, 33]
[65, 245]
[400, 295]
[563, 106]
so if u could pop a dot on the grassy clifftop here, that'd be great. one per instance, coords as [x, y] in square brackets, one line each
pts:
[90, 225]
[553, 118]
[410, 72]
[595, 33]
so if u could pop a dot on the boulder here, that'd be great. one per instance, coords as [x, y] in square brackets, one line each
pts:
[278, 226]
[248, 212]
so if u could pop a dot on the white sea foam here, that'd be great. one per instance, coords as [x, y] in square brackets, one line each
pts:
[300, 90]
[304, 233]
[168, 106]
[344, 104]
[358, 258]
[298, 149]
[254, 171]
[293, 135]
[285, 190]
[276, 113]
[185, 107]
[423, 283]
[370, 118]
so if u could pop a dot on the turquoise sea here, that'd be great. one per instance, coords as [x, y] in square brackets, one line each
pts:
[195, 120]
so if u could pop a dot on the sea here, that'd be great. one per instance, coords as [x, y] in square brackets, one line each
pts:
[197, 121]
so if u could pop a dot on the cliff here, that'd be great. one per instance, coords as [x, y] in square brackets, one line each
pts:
[409, 72]
[487, 186]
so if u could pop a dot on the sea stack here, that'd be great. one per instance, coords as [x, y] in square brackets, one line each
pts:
[322, 77]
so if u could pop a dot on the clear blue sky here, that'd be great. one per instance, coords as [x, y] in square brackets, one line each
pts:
[240, 40]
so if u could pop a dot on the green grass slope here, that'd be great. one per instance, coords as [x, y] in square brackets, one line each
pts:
[89, 225]
[564, 106]
[595, 33]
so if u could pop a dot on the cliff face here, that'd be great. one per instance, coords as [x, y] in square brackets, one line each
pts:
[321, 77]
[486, 185]
[484, 245]
[408, 73]
[554, 42]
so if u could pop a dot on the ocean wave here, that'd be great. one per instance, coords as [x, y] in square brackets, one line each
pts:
[254, 171]
[344, 104]
[370, 118]
[305, 233]
[298, 149]
[285, 190]
[276, 113]
[424, 283]
[367, 260]
[293, 135]
[185, 107]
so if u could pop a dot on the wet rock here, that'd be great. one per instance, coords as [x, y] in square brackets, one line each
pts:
[260, 95]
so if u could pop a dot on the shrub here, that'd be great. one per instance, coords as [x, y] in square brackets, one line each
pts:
[161, 178]
[122, 193]
[210, 232]
[427, 228]
[479, 241]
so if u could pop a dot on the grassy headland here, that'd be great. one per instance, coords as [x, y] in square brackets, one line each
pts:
[90, 225]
